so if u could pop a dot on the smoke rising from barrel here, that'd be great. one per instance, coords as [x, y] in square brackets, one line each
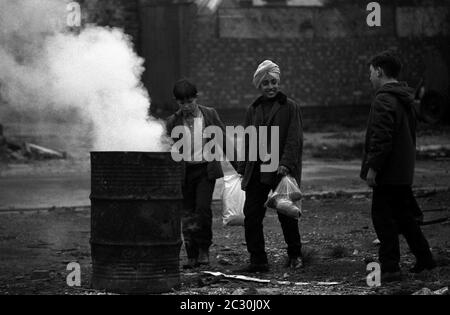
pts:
[94, 72]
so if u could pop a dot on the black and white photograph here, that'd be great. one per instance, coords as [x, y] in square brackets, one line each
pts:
[224, 155]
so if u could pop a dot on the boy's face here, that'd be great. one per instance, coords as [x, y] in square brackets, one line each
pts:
[188, 105]
[375, 76]
[269, 87]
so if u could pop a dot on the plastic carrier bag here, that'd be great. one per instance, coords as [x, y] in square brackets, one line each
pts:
[233, 199]
[287, 198]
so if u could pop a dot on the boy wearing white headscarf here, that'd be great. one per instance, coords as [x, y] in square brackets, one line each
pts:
[272, 108]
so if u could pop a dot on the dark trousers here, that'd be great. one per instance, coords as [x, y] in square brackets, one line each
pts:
[254, 212]
[393, 212]
[197, 215]
[417, 212]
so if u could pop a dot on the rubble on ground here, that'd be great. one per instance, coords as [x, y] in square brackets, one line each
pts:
[426, 291]
[22, 152]
[435, 152]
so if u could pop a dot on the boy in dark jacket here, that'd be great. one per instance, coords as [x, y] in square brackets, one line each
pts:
[388, 167]
[201, 174]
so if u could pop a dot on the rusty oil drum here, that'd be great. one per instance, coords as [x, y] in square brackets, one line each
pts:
[136, 203]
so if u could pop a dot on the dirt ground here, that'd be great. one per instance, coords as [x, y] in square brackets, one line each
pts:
[337, 237]
[337, 234]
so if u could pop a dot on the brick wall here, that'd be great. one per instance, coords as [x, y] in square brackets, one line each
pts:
[316, 70]
[321, 65]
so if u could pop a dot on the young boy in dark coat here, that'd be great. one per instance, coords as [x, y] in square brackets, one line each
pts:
[388, 167]
[201, 174]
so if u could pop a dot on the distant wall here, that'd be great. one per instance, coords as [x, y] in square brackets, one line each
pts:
[322, 51]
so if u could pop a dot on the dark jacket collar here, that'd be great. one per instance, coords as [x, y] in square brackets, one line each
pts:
[179, 113]
[178, 116]
[281, 98]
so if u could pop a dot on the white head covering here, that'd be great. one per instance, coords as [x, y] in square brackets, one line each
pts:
[267, 68]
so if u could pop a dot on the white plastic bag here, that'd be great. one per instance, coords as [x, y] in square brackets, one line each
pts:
[287, 198]
[233, 199]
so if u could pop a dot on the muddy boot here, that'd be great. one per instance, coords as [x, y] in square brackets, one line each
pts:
[203, 257]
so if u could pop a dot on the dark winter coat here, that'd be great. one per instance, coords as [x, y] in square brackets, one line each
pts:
[285, 114]
[211, 118]
[390, 147]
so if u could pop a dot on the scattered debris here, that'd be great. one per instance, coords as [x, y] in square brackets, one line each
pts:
[301, 283]
[443, 291]
[38, 152]
[433, 147]
[236, 277]
[257, 280]
[269, 291]
[247, 291]
[328, 283]
[10, 150]
[426, 291]
[223, 261]
[433, 151]
[239, 292]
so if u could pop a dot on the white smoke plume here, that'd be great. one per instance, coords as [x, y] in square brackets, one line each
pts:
[95, 71]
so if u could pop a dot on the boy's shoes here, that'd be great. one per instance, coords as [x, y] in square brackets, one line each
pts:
[419, 267]
[254, 268]
[191, 264]
[294, 263]
[203, 257]
[394, 276]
